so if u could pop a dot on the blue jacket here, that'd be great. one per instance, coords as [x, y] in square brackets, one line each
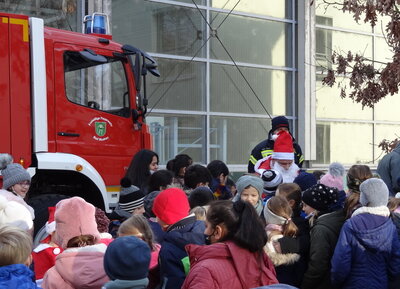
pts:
[172, 255]
[367, 254]
[389, 170]
[16, 276]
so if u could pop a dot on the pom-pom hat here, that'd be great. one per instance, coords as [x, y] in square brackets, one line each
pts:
[283, 146]
[320, 197]
[12, 173]
[130, 197]
[272, 179]
[51, 223]
[14, 214]
[171, 205]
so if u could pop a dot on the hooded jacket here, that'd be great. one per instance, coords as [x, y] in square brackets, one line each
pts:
[16, 276]
[78, 268]
[172, 253]
[389, 169]
[367, 254]
[226, 265]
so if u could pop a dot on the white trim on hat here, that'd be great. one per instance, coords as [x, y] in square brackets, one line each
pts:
[50, 227]
[283, 156]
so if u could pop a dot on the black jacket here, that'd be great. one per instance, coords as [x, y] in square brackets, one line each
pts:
[266, 148]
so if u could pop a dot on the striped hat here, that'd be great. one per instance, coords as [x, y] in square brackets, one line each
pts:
[130, 197]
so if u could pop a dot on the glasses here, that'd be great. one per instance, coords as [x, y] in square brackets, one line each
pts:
[25, 184]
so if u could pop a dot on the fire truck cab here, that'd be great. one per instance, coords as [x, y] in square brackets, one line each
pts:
[71, 109]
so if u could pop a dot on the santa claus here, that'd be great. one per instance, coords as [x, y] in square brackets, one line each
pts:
[282, 159]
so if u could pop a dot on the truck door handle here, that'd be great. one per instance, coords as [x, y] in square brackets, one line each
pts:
[68, 134]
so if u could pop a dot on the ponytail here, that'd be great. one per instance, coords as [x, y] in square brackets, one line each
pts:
[243, 224]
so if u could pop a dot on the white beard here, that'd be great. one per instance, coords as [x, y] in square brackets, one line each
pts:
[288, 175]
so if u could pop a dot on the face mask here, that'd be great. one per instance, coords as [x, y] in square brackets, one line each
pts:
[152, 172]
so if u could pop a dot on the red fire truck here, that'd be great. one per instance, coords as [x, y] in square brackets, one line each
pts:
[71, 110]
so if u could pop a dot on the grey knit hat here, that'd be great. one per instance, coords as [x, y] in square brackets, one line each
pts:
[374, 193]
[249, 180]
[14, 174]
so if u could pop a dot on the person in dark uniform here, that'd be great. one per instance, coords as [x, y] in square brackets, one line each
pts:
[266, 147]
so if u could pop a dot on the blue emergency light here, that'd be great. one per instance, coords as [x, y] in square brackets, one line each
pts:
[96, 23]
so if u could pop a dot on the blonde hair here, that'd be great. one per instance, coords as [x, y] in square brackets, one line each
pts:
[15, 245]
[137, 223]
[280, 206]
[199, 212]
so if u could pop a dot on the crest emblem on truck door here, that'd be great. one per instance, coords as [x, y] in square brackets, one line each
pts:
[100, 125]
[101, 128]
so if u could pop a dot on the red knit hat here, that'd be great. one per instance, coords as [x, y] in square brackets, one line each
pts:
[283, 146]
[171, 205]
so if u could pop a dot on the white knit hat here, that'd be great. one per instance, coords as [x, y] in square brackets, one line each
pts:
[15, 214]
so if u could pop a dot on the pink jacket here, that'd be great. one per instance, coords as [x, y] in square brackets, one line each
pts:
[78, 268]
[225, 265]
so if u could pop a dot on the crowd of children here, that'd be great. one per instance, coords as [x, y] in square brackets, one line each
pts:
[191, 226]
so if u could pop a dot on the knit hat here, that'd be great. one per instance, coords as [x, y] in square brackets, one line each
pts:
[278, 122]
[249, 180]
[272, 179]
[14, 214]
[305, 180]
[200, 196]
[374, 193]
[171, 205]
[320, 197]
[14, 174]
[334, 177]
[130, 197]
[74, 217]
[283, 146]
[127, 258]
[102, 220]
[51, 223]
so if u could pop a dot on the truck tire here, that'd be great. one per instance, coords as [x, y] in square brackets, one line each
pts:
[40, 205]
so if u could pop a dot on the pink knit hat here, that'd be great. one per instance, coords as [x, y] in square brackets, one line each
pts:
[334, 177]
[74, 217]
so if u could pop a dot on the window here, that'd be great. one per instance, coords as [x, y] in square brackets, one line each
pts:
[98, 86]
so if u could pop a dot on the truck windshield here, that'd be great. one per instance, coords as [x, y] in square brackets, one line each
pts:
[98, 86]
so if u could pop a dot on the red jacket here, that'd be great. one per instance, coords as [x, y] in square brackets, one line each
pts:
[225, 265]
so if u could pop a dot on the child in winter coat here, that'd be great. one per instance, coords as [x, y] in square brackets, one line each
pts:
[235, 259]
[171, 207]
[15, 257]
[289, 267]
[328, 219]
[138, 226]
[126, 262]
[367, 254]
[131, 202]
[80, 265]
[44, 255]
[250, 189]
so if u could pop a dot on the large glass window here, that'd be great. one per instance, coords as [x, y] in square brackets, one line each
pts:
[181, 85]
[55, 13]
[253, 40]
[344, 142]
[159, 28]
[231, 92]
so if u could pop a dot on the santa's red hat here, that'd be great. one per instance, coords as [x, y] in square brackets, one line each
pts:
[51, 223]
[283, 146]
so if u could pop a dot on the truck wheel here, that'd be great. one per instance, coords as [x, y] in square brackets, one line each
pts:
[40, 204]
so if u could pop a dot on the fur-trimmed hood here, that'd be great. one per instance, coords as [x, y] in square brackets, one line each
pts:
[279, 259]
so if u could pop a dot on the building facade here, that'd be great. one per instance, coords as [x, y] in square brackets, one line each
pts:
[227, 66]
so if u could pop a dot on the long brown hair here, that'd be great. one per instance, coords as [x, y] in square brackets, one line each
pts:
[280, 207]
[81, 241]
[355, 176]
